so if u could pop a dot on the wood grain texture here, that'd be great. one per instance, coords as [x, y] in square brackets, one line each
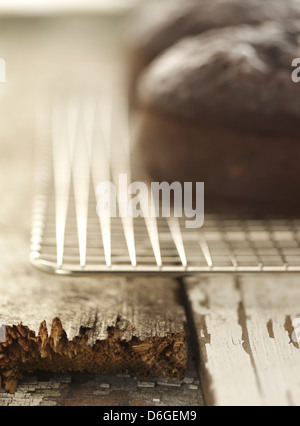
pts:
[249, 354]
[141, 307]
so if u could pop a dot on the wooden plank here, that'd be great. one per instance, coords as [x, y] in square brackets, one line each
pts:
[131, 325]
[245, 332]
[271, 304]
[226, 370]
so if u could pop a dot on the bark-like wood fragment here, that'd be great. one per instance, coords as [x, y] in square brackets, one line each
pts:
[130, 326]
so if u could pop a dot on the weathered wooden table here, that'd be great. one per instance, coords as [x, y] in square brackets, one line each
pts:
[240, 327]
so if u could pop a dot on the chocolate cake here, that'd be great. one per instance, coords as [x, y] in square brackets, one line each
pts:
[157, 25]
[221, 108]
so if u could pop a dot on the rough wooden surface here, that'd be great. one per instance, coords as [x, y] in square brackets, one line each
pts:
[130, 325]
[140, 307]
[249, 352]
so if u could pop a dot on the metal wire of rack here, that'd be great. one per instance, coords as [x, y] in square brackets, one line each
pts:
[87, 142]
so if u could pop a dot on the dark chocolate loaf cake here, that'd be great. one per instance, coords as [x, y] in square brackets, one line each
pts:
[157, 25]
[221, 108]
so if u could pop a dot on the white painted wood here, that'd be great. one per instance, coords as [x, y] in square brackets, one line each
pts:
[244, 326]
[225, 365]
[271, 304]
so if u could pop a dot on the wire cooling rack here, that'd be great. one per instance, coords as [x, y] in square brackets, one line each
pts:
[85, 142]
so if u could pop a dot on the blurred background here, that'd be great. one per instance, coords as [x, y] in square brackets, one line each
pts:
[46, 45]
